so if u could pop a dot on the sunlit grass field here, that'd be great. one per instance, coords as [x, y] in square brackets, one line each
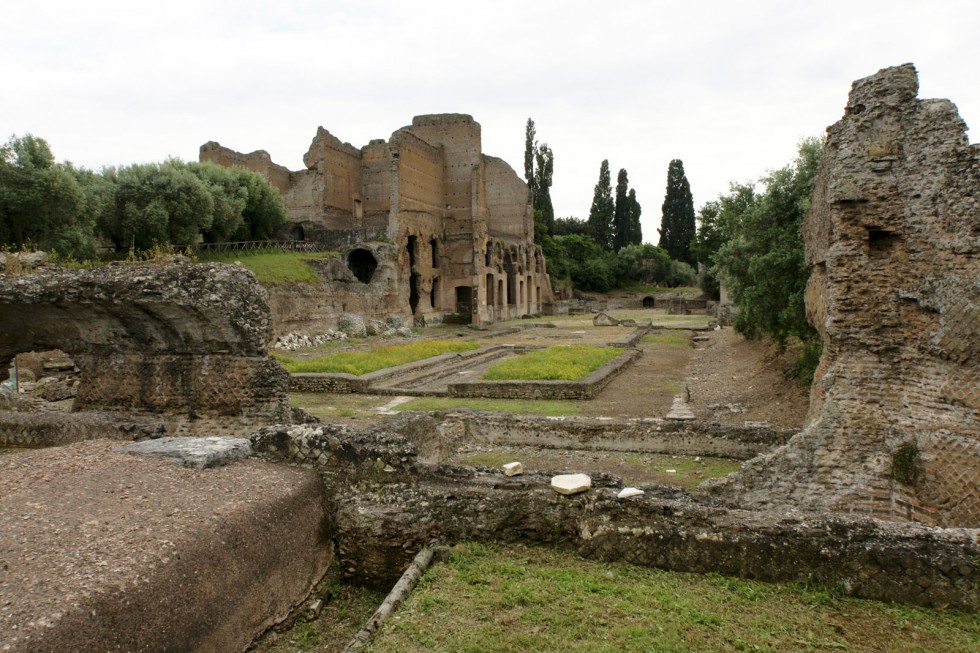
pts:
[560, 363]
[376, 358]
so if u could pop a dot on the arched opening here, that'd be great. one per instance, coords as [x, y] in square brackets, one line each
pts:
[648, 302]
[413, 292]
[296, 232]
[488, 258]
[363, 264]
[434, 244]
[464, 300]
[490, 289]
[434, 294]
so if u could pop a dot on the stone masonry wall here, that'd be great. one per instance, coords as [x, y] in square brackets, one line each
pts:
[182, 339]
[893, 242]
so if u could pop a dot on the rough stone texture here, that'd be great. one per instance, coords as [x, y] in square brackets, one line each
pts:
[182, 339]
[690, 438]
[571, 483]
[380, 529]
[450, 228]
[198, 453]
[390, 503]
[55, 428]
[107, 552]
[892, 239]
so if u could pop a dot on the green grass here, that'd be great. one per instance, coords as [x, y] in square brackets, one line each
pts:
[376, 358]
[273, 267]
[328, 406]
[560, 363]
[487, 599]
[552, 408]
[669, 338]
[688, 472]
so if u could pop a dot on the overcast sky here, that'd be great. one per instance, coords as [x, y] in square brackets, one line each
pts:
[727, 87]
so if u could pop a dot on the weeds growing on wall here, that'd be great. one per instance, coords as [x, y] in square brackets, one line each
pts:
[561, 363]
[905, 463]
[377, 358]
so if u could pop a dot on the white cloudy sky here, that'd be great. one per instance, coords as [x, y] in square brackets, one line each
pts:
[728, 87]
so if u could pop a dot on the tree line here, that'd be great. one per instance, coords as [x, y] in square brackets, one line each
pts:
[750, 240]
[75, 212]
[605, 251]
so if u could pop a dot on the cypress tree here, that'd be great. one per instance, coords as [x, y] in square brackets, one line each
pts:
[633, 219]
[677, 227]
[529, 147]
[545, 160]
[621, 225]
[602, 212]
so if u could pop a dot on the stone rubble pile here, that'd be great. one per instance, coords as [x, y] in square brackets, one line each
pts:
[293, 341]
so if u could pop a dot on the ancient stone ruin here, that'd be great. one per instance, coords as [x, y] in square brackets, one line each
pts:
[429, 227]
[183, 341]
[892, 239]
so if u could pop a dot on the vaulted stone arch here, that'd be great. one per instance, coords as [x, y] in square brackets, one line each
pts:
[182, 339]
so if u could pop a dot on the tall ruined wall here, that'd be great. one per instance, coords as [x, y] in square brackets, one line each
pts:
[421, 174]
[507, 200]
[431, 192]
[182, 339]
[460, 138]
[258, 161]
[338, 174]
[892, 238]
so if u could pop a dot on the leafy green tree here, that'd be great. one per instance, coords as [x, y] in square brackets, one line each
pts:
[229, 197]
[677, 226]
[157, 204]
[603, 210]
[588, 265]
[763, 264]
[42, 203]
[718, 222]
[571, 225]
[264, 210]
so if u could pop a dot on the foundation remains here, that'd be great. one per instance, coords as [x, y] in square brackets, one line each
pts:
[429, 227]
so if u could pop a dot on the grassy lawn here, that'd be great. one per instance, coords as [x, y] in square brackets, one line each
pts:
[544, 407]
[331, 406]
[687, 472]
[488, 599]
[561, 363]
[669, 338]
[376, 358]
[273, 267]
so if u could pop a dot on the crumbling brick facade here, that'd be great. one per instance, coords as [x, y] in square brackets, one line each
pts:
[892, 240]
[460, 220]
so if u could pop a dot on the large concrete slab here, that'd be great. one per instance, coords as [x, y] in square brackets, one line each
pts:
[106, 551]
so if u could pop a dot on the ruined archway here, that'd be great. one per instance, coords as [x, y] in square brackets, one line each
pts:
[649, 302]
[181, 339]
[363, 264]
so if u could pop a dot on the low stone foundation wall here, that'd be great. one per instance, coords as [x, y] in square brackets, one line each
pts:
[389, 504]
[587, 388]
[686, 437]
[380, 530]
[53, 429]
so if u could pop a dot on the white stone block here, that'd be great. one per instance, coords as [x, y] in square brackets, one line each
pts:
[628, 492]
[571, 483]
[513, 469]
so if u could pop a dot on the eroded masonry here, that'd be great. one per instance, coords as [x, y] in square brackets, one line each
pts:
[892, 239]
[429, 227]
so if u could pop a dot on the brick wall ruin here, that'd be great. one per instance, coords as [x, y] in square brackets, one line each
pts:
[448, 227]
[892, 240]
[183, 340]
